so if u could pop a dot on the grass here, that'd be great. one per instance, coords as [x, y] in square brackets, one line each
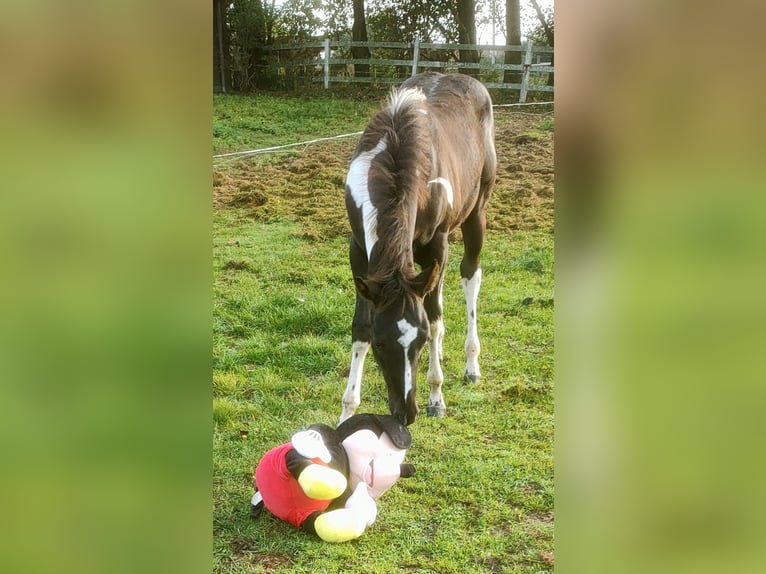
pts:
[245, 122]
[482, 497]
[547, 125]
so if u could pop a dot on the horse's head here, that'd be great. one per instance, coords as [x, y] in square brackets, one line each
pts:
[399, 332]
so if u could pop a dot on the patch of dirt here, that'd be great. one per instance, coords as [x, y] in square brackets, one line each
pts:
[268, 561]
[547, 558]
[540, 517]
[308, 187]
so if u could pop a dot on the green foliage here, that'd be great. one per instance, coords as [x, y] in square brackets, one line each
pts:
[537, 33]
[402, 21]
[339, 17]
[297, 20]
[247, 26]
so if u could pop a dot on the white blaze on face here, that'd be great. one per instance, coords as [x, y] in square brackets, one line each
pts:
[446, 186]
[356, 180]
[408, 334]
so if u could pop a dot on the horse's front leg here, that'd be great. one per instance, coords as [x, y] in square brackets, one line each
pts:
[437, 406]
[433, 304]
[360, 337]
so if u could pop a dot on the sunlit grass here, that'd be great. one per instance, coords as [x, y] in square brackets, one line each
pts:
[243, 122]
[482, 498]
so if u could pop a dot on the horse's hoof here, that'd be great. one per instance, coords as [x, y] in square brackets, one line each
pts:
[471, 378]
[436, 411]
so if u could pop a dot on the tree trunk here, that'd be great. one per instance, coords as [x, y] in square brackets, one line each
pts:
[359, 34]
[512, 38]
[548, 34]
[220, 83]
[550, 74]
[466, 29]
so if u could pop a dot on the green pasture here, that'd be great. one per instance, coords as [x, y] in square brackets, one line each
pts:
[482, 497]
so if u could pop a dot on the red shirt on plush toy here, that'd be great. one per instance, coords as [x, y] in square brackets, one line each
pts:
[326, 480]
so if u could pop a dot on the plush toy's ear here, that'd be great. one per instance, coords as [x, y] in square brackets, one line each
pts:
[399, 433]
[379, 424]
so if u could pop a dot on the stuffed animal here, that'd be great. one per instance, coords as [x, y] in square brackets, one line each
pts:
[326, 481]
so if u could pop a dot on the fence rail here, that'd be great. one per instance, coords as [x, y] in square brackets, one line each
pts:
[328, 62]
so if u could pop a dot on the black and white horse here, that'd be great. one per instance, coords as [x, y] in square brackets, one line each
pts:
[424, 166]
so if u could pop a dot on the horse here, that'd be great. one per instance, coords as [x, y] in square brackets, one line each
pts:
[424, 166]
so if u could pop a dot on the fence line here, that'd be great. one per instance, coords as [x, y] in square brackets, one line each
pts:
[277, 147]
[317, 140]
[317, 56]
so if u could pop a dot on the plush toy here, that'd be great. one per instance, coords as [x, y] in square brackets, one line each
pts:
[326, 480]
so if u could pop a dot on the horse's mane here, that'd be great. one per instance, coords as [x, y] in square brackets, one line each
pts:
[398, 180]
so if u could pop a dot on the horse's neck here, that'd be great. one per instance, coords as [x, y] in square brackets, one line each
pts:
[393, 251]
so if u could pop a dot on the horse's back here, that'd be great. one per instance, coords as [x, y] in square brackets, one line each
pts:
[463, 106]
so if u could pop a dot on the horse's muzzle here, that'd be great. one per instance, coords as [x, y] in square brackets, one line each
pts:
[406, 413]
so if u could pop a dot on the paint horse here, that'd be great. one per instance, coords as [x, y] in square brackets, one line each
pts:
[425, 165]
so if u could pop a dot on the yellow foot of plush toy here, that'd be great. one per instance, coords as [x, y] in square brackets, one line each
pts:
[322, 482]
[340, 525]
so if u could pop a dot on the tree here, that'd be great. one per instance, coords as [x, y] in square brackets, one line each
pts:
[248, 34]
[465, 16]
[338, 14]
[543, 33]
[297, 21]
[359, 34]
[221, 41]
[512, 38]
[544, 30]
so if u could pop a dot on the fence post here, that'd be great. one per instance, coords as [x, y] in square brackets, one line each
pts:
[525, 77]
[326, 63]
[415, 55]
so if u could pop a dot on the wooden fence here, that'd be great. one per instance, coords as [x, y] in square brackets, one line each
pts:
[327, 62]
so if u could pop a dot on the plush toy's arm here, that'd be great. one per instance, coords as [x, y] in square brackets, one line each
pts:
[344, 524]
[339, 525]
[363, 504]
[308, 463]
[313, 446]
[322, 482]
[309, 443]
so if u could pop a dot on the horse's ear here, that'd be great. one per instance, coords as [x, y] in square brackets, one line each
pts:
[427, 280]
[370, 290]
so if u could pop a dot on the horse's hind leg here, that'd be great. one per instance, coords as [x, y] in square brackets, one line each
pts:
[473, 238]
[470, 272]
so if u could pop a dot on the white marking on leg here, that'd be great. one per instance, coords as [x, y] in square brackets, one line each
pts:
[353, 395]
[357, 182]
[472, 347]
[446, 186]
[408, 334]
[435, 376]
